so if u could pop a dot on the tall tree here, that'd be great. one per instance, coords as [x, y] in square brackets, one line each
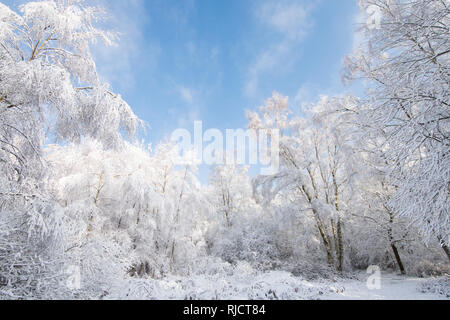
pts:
[316, 158]
[406, 62]
[49, 90]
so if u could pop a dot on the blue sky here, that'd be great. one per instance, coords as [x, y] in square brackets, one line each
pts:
[184, 60]
[210, 60]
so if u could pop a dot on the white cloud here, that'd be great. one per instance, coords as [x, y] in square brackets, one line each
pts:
[304, 93]
[267, 61]
[191, 48]
[186, 94]
[191, 111]
[291, 21]
[309, 93]
[215, 52]
[117, 64]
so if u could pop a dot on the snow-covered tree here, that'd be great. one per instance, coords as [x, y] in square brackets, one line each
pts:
[230, 192]
[317, 165]
[134, 199]
[49, 90]
[405, 60]
[49, 87]
[239, 229]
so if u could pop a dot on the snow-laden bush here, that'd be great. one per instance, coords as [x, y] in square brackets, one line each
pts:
[96, 268]
[370, 246]
[251, 240]
[240, 282]
[134, 198]
[31, 247]
[440, 286]
[430, 268]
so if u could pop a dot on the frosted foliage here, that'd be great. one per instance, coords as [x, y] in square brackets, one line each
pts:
[30, 248]
[49, 90]
[141, 203]
[48, 83]
[406, 62]
[332, 200]
[318, 165]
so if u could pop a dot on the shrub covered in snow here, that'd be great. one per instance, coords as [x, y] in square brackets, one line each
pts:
[440, 286]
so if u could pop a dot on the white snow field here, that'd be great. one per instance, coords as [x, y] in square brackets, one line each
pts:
[280, 285]
[394, 287]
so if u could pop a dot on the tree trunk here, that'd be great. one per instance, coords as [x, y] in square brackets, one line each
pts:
[399, 260]
[340, 249]
[326, 244]
[446, 250]
[391, 240]
[444, 247]
[172, 256]
[177, 221]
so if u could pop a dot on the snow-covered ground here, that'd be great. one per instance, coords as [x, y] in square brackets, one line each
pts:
[279, 285]
[394, 287]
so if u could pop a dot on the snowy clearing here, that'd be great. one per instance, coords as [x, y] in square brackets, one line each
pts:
[393, 287]
[278, 285]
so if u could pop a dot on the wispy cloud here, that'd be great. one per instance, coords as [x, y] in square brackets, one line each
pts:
[289, 22]
[118, 64]
[304, 94]
[289, 18]
[186, 94]
[265, 63]
[189, 108]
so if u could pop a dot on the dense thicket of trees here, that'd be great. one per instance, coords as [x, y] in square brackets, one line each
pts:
[48, 88]
[363, 180]
[406, 61]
